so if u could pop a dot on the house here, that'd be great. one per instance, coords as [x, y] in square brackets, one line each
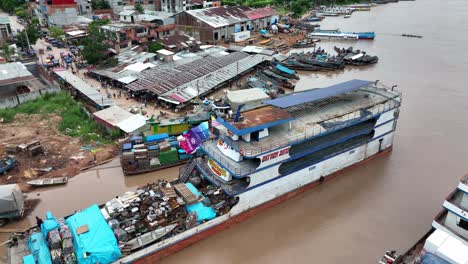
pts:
[121, 5]
[16, 79]
[5, 28]
[225, 22]
[58, 12]
[177, 6]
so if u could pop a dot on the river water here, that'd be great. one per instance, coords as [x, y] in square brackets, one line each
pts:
[388, 203]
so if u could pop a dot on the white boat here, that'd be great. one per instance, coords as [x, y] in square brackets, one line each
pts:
[48, 181]
[271, 151]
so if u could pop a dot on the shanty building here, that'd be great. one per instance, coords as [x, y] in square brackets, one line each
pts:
[225, 22]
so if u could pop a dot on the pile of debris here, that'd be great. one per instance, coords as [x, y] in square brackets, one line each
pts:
[161, 209]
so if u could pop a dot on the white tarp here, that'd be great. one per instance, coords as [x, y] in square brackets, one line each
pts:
[132, 124]
[75, 32]
[137, 67]
[11, 198]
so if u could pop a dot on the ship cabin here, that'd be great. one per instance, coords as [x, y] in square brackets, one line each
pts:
[177, 126]
[453, 218]
[298, 130]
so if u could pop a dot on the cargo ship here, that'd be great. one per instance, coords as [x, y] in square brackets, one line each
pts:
[447, 240]
[261, 153]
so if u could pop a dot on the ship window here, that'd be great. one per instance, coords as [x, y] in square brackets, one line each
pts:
[352, 151]
[311, 168]
[463, 223]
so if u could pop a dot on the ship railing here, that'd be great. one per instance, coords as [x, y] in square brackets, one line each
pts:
[253, 149]
[224, 162]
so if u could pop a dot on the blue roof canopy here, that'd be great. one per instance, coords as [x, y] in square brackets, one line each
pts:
[317, 94]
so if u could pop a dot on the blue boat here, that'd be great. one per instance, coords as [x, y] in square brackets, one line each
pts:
[337, 34]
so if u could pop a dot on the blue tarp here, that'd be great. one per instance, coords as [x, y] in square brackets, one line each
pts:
[317, 94]
[29, 259]
[39, 249]
[99, 242]
[284, 69]
[432, 259]
[203, 212]
[49, 224]
[156, 137]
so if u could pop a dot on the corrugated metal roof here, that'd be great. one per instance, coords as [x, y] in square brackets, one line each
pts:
[221, 16]
[261, 13]
[317, 94]
[84, 88]
[113, 115]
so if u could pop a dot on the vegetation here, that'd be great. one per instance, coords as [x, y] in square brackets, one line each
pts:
[33, 35]
[75, 122]
[296, 7]
[97, 44]
[6, 51]
[10, 5]
[139, 8]
[56, 32]
[153, 47]
[21, 13]
[99, 4]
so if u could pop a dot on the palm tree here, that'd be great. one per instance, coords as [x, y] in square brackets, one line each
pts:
[7, 51]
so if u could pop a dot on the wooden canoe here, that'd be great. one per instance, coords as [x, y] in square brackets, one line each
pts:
[48, 181]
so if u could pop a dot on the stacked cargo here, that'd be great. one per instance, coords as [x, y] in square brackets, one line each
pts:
[169, 156]
[140, 155]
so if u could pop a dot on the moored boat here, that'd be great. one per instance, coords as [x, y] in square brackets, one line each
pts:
[48, 182]
[261, 152]
[447, 240]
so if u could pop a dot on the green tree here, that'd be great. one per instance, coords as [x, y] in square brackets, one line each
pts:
[99, 4]
[153, 47]
[10, 5]
[139, 8]
[6, 51]
[33, 35]
[56, 32]
[97, 44]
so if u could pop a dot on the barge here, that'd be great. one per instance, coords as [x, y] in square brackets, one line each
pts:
[258, 155]
[447, 240]
[337, 34]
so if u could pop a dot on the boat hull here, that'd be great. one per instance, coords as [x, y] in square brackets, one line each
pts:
[141, 171]
[153, 257]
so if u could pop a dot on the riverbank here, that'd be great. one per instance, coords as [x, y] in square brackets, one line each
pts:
[70, 139]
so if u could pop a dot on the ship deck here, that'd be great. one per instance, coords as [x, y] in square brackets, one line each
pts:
[309, 119]
[241, 168]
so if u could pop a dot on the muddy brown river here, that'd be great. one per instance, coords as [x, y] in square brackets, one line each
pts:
[388, 203]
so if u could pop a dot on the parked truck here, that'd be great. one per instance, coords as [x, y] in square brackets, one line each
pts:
[11, 203]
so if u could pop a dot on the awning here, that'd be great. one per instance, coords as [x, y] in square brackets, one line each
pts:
[169, 100]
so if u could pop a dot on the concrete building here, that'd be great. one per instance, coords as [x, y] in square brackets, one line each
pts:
[58, 12]
[177, 6]
[122, 5]
[5, 28]
[16, 79]
[225, 22]
[84, 7]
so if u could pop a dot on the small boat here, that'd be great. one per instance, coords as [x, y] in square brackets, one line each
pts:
[48, 181]
[347, 16]
[148, 238]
